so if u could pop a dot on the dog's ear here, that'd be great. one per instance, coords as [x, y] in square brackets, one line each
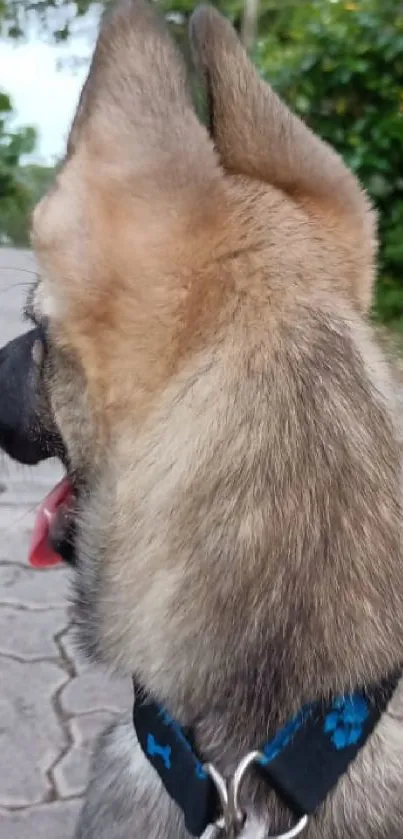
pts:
[135, 109]
[139, 164]
[255, 133]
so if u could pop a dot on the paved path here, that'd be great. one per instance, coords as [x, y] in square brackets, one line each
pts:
[52, 705]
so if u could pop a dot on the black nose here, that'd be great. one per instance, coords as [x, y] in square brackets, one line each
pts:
[22, 433]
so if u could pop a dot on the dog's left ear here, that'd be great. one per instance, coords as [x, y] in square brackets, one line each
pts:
[139, 164]
[255, 132]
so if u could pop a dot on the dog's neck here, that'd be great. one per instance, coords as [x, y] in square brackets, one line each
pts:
[261, 570]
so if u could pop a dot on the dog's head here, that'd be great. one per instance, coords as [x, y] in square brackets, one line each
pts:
[195, 360]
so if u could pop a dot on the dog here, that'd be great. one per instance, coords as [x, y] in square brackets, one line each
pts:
[202, 363]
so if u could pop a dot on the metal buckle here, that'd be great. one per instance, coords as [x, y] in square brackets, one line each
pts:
[233, 819]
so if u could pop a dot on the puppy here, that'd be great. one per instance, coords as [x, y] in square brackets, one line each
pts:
[204, 368]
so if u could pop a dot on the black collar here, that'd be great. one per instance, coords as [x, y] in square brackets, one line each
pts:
[302, 762]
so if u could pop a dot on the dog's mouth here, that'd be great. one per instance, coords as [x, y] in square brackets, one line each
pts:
[53, 534]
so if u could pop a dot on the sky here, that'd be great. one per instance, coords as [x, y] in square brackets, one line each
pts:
[44, 94]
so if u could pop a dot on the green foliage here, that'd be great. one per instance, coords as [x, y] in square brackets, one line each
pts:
[16, 208]
[20, 185]
[340, 66]
[12, 145]
[54, 16]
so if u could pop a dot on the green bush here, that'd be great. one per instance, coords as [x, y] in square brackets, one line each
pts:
[340, 66]
[21, 185]
[30, 183]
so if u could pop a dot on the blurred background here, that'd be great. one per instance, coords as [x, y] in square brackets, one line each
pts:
[338, 63]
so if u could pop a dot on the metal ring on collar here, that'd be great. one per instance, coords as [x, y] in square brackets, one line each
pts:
[243, 766]
[233, 816]
[224, 822]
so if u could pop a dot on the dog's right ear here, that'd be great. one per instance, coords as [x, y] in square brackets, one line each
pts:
[257, 135]
[254, 131]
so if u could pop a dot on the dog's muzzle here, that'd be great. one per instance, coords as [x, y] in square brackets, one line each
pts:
[29, 435]
[27, 430]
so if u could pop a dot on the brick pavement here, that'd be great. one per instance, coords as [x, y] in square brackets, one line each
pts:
[52, 704]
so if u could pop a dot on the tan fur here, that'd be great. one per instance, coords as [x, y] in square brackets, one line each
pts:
[221, 394]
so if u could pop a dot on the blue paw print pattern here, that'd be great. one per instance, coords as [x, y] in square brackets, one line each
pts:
[345, 721]
[273, 748]
[163, 752]
[201, 774]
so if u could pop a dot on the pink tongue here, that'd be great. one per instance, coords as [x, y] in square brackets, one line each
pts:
[41, 553]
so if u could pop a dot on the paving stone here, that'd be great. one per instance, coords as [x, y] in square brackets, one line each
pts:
[30, 635]
[31, 737]
[16, 525]
[27, 484]
[94, 691]
[32, 588]
[49, 821]
[69, 645]
[32, 610]
[71, 774]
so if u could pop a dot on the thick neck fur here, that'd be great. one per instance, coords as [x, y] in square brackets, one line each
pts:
[254, 559]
